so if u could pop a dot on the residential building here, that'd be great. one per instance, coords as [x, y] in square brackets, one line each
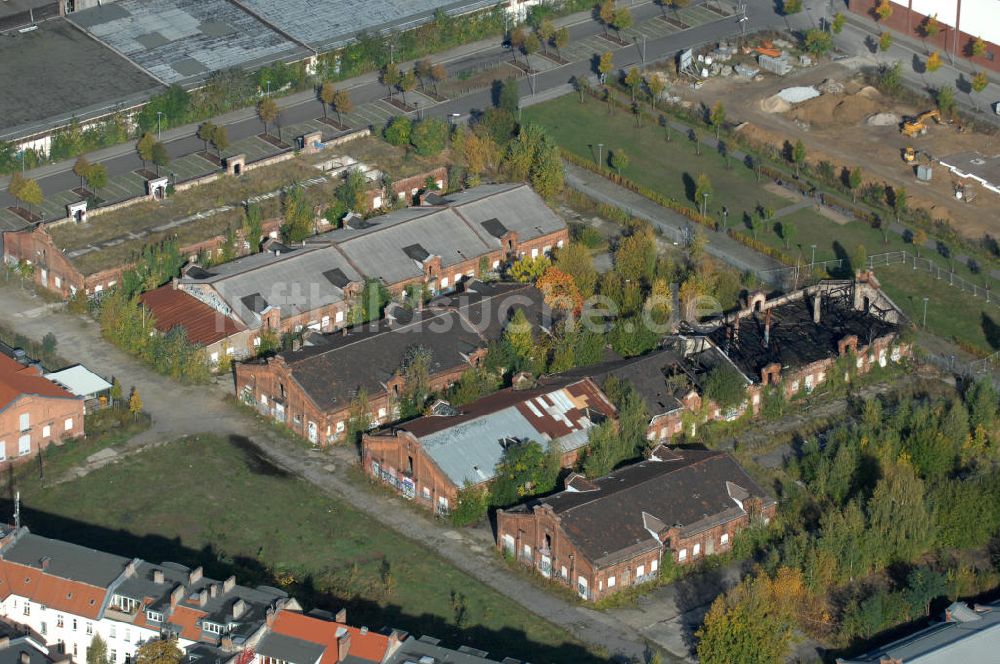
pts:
[965, 634]
[428, 650]
[319, 638]
[21, 646]
[605, 534]
[311, 389]
[68, 594]
[429, 459]
[34, 411]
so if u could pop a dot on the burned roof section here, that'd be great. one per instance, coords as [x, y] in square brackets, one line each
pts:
[806, 326]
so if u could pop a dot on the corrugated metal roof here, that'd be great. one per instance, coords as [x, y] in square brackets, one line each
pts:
[203, 324]
[79, 380]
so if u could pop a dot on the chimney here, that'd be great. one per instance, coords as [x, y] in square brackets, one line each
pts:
[213, 590]
[343, 644]
[341, 616]
[229, 584]
[195, 575]
[176, 596]
[269, 616]
[157, 576]
[203, 597]
[363, 630]
[239, 608]
[130, 569]
[816, 303]
[25, 657]
[44, 562]
[296, 343]
[767, 329]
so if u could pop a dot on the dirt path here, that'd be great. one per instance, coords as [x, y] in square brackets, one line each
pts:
[179, 411]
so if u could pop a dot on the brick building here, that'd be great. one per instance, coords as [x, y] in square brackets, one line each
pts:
[602, 535]
[219, 335]
[795, 341]
[430, 458]
[311, 389]
[34, 411]
[436, 246]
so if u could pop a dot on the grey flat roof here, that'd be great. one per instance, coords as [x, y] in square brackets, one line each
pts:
[182, 41]
[12, 7]
[413, 649]
[326, 24]
[289, 649]
[81, 78]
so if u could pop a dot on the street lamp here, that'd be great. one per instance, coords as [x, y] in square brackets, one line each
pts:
[704, 206]
[158, 115]
[725, 216]
[812, 263]
[600, 146]
[925, 313]
[268, 84]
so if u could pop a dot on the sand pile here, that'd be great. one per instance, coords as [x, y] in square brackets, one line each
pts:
[835, 109]
[775, 104]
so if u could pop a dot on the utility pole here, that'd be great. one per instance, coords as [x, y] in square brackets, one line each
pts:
[925, 314]
[644, 50]
[600, 147]
[158, 115]
[812, 263]
[531, 80]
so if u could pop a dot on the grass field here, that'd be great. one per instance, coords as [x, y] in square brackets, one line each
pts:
[671, 168]
[216, 502]
[950, 312]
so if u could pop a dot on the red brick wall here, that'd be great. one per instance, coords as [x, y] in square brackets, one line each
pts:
[257, 379]
[42, 412]
[518, 529]
[386, 456]
[909, 22]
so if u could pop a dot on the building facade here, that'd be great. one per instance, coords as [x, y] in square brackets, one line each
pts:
[429, 459]
[313, 389]
[602, 535]
[34, 412]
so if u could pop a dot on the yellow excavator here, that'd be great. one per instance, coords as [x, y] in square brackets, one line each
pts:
[918, 126]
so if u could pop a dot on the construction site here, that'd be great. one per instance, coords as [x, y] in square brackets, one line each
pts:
[842, 120]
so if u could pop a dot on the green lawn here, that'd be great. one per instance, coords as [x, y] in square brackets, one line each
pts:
[950, 312]
[671, 168]
[215, 502]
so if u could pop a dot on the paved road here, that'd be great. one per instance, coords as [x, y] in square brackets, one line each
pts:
[303, 106]
[178, 411]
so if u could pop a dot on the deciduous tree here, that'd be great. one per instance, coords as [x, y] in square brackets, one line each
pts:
[561, 40]
[934, 61]
[619, 160]
[429, 136]
[267, 111]
[220, 140]
[390, 77]
[559, 291]
[144, 147]
[97, 177]
[80, 168]
[327, 94]
[342, 103]
[575, 260]
[407, 83]
[718, 118]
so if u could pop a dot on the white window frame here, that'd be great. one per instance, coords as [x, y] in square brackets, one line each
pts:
[682, 554]
[611, 581]
[654, 565]
[724, 539]
[46, 431]
[24, 421]
[696, 551]
[68, 424]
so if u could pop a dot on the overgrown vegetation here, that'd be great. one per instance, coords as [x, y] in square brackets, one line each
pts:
[877, 520]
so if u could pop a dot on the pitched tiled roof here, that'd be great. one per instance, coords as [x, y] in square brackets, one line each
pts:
[172, 308]
[17, 379]
[73, 597]
[691, 490]
[366, 645]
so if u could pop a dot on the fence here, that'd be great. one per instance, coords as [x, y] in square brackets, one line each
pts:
[973, 369]
[929, 266]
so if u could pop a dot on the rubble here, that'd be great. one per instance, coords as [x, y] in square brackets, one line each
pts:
[882, 120]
